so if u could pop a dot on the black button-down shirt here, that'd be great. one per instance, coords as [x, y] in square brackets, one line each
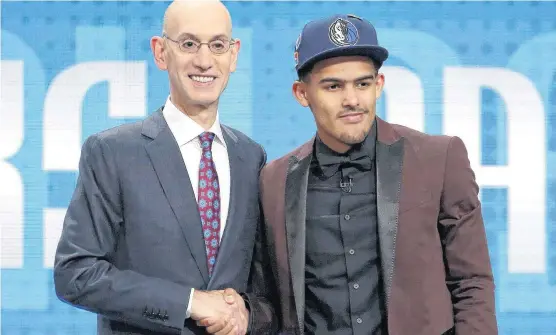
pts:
[342, 290]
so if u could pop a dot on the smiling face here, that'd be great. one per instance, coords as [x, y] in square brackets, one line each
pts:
[197, 75]
[342, 94]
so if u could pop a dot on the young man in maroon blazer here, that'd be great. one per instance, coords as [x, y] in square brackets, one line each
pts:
[370, 227]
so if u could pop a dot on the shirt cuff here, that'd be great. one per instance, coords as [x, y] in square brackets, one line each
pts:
[188, 312]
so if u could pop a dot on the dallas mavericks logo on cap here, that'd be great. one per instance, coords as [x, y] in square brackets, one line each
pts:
[343, 32]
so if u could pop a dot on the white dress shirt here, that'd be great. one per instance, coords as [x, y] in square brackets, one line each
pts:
[186, 132]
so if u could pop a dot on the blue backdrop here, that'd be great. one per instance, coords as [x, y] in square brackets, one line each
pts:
[485, 71]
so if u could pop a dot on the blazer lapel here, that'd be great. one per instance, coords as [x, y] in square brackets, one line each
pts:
[295, 203]
[237, 196]
[389, 162]
[168, 164]
[396, 161]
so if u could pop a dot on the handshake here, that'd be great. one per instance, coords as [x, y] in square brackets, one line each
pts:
[220, 312]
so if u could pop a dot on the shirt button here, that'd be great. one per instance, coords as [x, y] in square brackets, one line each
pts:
[359, 320]
[346, 216]
[356, 286]
[351, 251]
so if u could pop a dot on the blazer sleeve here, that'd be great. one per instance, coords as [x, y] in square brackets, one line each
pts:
[84, 273]
[468, 268]
[261, 290]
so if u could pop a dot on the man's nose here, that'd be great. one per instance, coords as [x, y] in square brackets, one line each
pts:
[203, 58]
[350, 97]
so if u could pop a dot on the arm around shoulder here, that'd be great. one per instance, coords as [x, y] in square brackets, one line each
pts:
[84, 275]
[469, 273]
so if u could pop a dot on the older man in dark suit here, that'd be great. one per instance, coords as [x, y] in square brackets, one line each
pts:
[165, 211]
[371, 227]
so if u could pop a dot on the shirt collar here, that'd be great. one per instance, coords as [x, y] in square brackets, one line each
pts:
[184, 128]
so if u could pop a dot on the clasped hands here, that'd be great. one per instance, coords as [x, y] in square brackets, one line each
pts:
[221, 312]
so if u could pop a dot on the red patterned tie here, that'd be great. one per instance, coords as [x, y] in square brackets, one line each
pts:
[209, 200]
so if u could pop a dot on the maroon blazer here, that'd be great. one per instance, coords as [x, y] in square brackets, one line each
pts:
[435, 263]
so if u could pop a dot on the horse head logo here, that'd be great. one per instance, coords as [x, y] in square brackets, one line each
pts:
[343, 32]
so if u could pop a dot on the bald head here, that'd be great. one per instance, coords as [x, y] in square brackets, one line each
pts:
[199, 53]
[188, 11]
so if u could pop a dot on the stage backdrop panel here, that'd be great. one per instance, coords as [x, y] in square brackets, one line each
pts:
[484, 71]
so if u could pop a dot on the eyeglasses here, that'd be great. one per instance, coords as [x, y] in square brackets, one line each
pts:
[218, 46]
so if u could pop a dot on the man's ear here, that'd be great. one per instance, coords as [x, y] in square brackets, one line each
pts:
[157, 48]
[299, 90]
[234, 49]
[379, 84]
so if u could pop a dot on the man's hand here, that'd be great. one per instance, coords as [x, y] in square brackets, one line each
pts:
[235, 323]
[210, 306]
[235, 300]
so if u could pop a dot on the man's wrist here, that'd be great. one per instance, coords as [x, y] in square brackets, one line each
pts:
[248, 308]
[245, 301]
[196, 301]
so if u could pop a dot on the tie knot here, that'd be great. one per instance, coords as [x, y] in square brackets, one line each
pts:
[206, 140]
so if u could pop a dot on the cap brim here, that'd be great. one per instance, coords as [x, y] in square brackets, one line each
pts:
[377, 53]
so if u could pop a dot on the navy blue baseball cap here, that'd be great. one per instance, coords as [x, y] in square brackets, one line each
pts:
[338, 35]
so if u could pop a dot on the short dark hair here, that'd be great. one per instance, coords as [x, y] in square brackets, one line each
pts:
[303, 74]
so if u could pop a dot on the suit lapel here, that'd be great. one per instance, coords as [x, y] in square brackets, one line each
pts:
[168, 164]
[389, 162]
[296, 196]
[396, 161]
[237, 197]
